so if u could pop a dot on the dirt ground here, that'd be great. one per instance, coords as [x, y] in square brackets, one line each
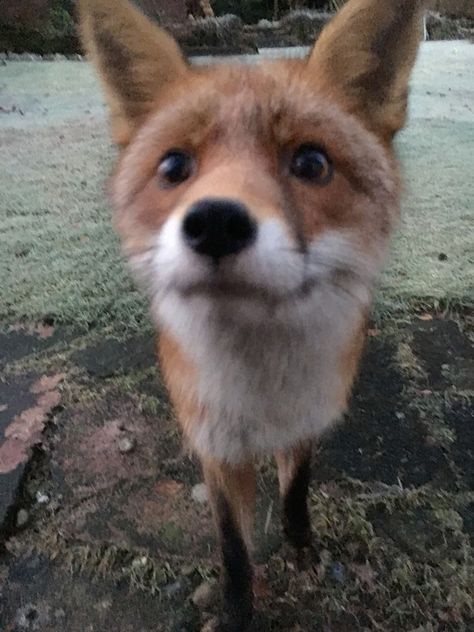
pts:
[109, 530]
[104, 524]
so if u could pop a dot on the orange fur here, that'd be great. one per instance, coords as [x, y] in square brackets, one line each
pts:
[238, 484]
[259, 335]
[288, 463]
[180, 378]
[365, 57]
[126, 47]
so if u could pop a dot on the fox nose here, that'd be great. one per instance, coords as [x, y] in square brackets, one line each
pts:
[218, 227]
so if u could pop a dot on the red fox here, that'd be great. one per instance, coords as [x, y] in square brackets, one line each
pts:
[255, 204]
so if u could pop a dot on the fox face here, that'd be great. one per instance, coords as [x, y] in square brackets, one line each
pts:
[250, 189]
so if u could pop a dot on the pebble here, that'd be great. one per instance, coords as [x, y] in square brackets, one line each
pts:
[211, 626]
[204, 595]
[42, 498]
[59, 614]
[338, 572]
[200, 494]
[22, 518]
[173, 589]
[188, 569]
[126, 445]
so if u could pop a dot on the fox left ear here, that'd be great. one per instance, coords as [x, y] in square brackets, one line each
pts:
[135, 60]
[364, 58]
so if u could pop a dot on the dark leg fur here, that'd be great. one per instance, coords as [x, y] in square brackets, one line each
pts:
[232, 495]
[296, 522]
[236, 573]
[294, 474]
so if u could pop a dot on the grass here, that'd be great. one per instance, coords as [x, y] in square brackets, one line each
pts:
[60, 259]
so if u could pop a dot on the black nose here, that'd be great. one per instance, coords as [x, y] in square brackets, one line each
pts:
[218, 227]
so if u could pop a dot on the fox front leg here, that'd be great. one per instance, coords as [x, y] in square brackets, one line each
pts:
[232, 498]
[294, 475]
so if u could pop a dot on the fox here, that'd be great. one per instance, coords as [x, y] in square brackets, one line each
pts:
[255, 204]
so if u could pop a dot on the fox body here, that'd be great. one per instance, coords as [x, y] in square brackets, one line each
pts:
[255, 204]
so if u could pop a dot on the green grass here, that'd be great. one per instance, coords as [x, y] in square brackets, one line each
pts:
[60, 259]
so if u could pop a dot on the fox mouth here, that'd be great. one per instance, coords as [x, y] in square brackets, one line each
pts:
[242, 290]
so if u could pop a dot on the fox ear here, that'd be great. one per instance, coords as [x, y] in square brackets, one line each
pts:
[135, 60]
[364, 58]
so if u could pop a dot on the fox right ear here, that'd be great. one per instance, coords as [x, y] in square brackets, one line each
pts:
[364, 57]
[135, 60]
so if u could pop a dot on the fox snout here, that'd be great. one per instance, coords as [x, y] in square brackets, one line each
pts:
[218, 227]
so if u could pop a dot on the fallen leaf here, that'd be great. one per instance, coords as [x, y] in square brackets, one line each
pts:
[425, 317]
[365, 574]
[47, 383]
[211, 626]
[44, 331]
[261, 589]
[372, 333]
[16, 327]
[168, 487]
[451, 615]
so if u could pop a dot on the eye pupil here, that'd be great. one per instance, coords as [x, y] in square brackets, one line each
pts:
[312, 164]
[175, 167]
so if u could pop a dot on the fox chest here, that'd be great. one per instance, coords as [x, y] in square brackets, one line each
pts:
[241, 391]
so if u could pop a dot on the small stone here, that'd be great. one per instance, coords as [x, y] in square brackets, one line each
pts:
[204, 595]
[22, 518]
[126, 445]
[338, 572]
[42, 498]
[211, 626]
[400, 416]
[188, 569]
[442, 256]
[430, 441]
[173, 589]
[139, 562]
[200, 494]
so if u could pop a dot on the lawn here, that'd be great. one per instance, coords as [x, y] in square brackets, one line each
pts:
[60, 260]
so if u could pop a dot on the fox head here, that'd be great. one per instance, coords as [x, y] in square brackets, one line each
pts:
[257, 187]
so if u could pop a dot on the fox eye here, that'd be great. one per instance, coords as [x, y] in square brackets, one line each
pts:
[311, 163]
[175, 167]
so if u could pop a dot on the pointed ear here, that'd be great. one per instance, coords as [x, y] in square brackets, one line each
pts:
[364, 58]
[135, 60]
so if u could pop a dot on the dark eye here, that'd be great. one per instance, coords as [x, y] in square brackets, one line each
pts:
[311, 163]
[175, 167]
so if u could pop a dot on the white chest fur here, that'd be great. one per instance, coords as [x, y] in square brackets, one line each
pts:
[265, 380]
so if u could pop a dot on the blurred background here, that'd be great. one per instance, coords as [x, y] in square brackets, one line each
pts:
[48, 26]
